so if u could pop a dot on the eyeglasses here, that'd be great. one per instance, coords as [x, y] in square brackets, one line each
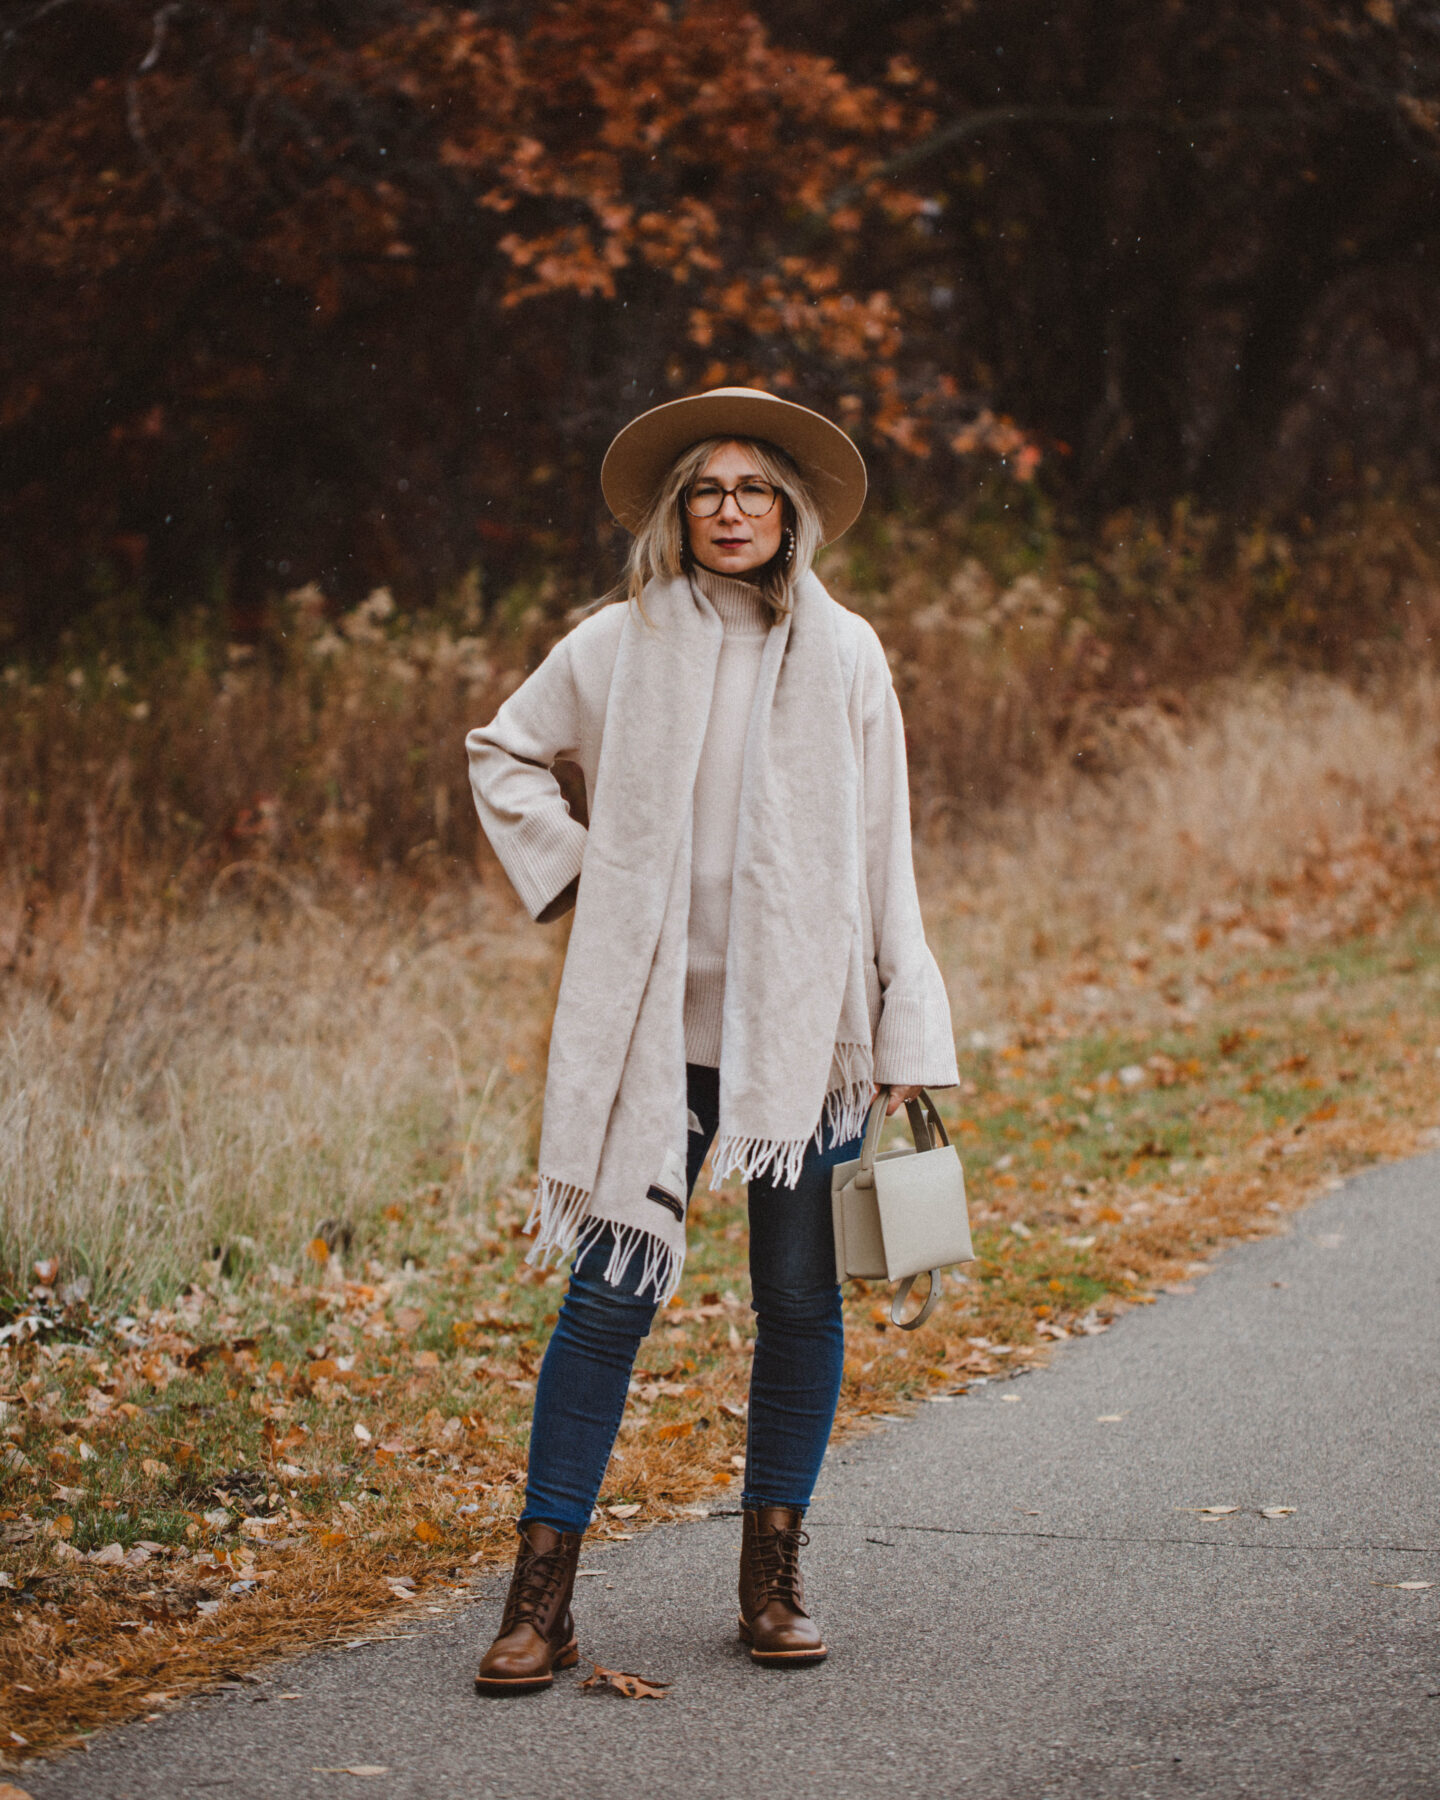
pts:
[703, 499]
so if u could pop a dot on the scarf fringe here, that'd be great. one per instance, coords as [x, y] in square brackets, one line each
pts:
[556, 1218]
[749, 1158]
[560, 1220]
[661, 1268]
[848, 1106]
[842, 1117]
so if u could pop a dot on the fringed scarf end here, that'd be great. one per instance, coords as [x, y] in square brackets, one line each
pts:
[750, 1158]
[557, 1220]
[661, 1268]
[848, 1104]
[842, 1118]
[563, 1227]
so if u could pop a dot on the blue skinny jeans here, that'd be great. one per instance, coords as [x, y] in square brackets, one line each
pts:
[799, 1345]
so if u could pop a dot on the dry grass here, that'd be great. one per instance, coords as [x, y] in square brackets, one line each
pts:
[177, 1092]
[1188, 996]
[332, 747]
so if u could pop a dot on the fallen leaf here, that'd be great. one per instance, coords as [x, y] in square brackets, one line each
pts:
[351, 1768]
[331, 1540]
[1108, 1418]
[1276, 1512]
[428, 1533]
[1216, 1512]
[362, 1432]
[8, 1792]
[624, 1512]
[668, 1433]
[1413, 1587]
[318, 1250]
[153, 1469]
[109, 1557]
[633, 1687]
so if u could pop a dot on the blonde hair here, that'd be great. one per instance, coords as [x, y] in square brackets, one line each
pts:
[659, 549]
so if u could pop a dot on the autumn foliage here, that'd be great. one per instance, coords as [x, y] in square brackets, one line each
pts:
[361, 291]
[357, 294]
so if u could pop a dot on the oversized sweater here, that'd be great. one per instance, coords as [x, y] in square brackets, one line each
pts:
[746, 620]
[559, 713]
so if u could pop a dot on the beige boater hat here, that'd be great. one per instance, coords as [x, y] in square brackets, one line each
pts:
[643, 454]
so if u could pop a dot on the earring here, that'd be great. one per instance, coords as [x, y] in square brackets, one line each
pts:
[787, 549]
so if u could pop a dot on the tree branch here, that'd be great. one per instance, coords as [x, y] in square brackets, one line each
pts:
[976, 124]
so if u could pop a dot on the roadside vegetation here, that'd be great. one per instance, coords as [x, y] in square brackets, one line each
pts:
[270, 1342]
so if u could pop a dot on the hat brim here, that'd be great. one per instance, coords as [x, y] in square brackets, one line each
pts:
[643, 454]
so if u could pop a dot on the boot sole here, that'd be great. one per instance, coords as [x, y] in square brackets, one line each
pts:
[781, 1659]
[528, 1684]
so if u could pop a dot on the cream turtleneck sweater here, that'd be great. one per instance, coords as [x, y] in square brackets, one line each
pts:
[746, 619]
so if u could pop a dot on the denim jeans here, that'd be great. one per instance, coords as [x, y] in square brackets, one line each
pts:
[799, 1345]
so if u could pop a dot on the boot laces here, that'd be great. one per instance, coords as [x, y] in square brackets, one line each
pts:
[538, 1578]
[778, 1554]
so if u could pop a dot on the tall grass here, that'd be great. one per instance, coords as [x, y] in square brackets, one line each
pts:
[233, 1080]
[333, 746]
[1297, 798]
[230, 1086]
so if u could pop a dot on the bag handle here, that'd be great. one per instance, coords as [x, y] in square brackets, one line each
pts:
[902, 1294]
[927, 1129]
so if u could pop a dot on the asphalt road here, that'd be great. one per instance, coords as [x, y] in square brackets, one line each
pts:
[1020, 1595]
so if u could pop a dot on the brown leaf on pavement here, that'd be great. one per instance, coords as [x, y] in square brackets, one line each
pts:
[633, 1687]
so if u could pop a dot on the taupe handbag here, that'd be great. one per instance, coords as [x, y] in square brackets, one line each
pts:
[901, 1213]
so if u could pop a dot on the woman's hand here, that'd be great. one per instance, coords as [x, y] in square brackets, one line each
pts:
[898, 1097]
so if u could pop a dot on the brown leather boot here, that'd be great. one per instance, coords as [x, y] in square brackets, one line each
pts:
[537, 1633]
[773, 1619]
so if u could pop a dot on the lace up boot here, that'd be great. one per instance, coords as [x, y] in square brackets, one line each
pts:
[773, 1619]
[537, 1633]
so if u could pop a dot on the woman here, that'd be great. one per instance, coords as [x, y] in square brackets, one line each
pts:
[747, 963]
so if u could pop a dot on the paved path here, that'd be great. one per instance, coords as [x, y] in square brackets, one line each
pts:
[1021, 1601]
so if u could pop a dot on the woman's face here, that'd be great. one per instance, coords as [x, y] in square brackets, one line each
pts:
[731, 542]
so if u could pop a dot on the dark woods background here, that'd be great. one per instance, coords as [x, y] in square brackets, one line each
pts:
[356, 293]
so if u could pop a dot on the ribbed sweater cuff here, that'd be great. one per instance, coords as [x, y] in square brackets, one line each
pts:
[545, 854]
[906, 1054]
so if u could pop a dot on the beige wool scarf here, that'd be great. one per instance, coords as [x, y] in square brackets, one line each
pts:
[796, 1047]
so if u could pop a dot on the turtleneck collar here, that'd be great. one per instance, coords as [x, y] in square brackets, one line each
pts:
[742, 610]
